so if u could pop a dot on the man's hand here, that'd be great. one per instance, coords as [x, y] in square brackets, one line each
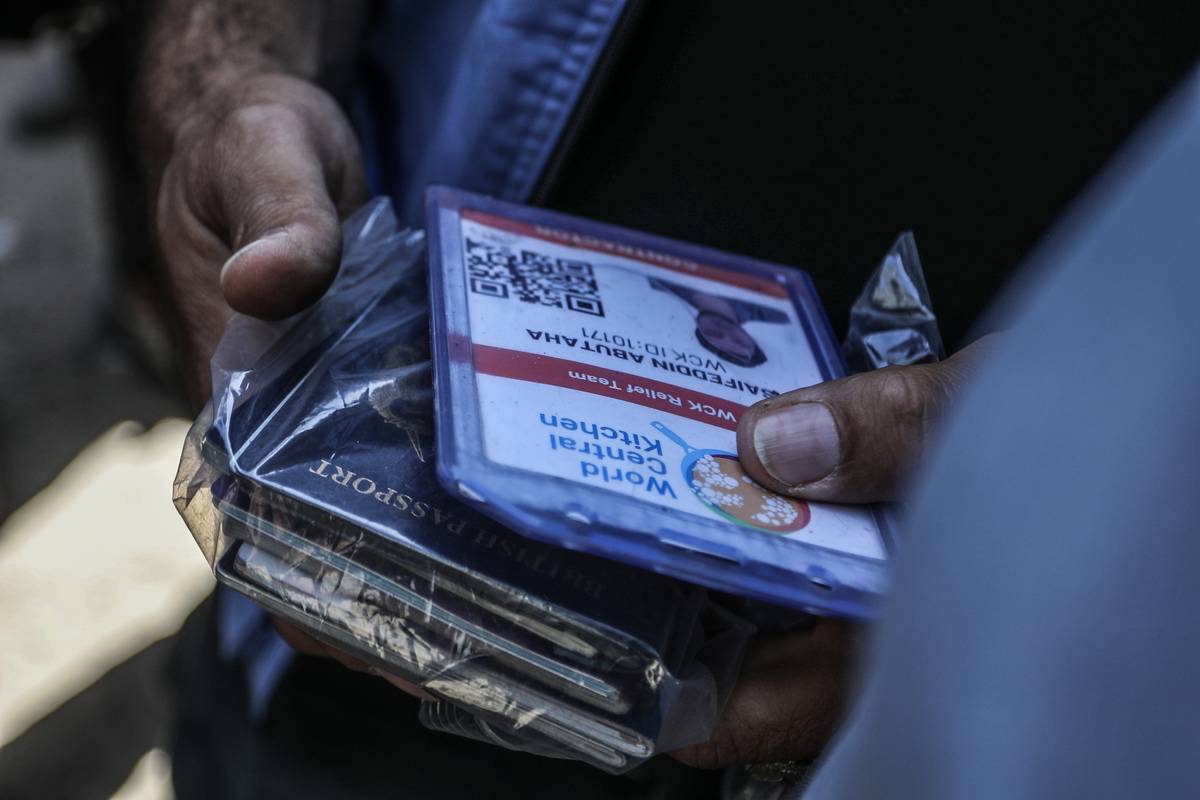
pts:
[249, 162]
[248, 220]
[854, 440]
[787, 701]
[248, 206]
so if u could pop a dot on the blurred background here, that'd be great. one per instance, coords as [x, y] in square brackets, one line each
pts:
[97, 571]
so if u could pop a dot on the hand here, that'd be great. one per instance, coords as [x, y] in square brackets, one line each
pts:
[787, 700]
[854, 440]
[303, 643]
[247, 217]
[252, 187]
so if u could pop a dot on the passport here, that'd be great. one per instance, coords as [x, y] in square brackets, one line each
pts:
[327, 492]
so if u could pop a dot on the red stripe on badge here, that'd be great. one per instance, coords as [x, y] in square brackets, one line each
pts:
[550, 371]
[586, 241]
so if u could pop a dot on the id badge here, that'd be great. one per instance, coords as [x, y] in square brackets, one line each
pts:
[589, 383]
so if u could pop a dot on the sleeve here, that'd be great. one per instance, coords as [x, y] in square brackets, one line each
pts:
[1041, 637]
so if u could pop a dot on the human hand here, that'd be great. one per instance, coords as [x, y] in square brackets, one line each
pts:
[309, 646]
[853, 440]
[787, 701]
[252, 184]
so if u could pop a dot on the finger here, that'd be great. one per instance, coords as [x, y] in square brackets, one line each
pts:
[191, 253]
[787, 701]
[270, 198]
[300, 641]
[852, 440]
[306, 644]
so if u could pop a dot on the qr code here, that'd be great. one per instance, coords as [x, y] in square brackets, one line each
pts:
[532, 277]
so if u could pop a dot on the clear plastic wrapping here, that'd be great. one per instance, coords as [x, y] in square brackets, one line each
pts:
[309, 483]
[892, 322]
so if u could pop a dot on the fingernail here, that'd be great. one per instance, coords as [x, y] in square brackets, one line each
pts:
[798, 443]
[270, 237]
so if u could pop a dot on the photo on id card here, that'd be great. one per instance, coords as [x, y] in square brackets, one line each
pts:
[589, 385]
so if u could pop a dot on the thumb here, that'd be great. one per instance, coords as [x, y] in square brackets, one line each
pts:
[853, 440]
[279, 217]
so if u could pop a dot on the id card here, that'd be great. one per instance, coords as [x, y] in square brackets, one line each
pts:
[590, 381]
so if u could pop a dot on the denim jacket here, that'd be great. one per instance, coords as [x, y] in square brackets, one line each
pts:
[479, 94]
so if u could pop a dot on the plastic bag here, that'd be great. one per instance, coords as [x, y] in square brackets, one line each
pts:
[309, 483]
[892, 321]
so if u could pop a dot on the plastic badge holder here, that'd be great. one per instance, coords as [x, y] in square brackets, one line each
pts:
[311, 488]
[588, 385]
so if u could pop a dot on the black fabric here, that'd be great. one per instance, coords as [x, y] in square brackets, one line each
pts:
[813, 133]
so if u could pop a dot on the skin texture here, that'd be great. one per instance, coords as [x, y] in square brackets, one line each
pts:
[788, 700]
[884, 421]
[250, 164]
